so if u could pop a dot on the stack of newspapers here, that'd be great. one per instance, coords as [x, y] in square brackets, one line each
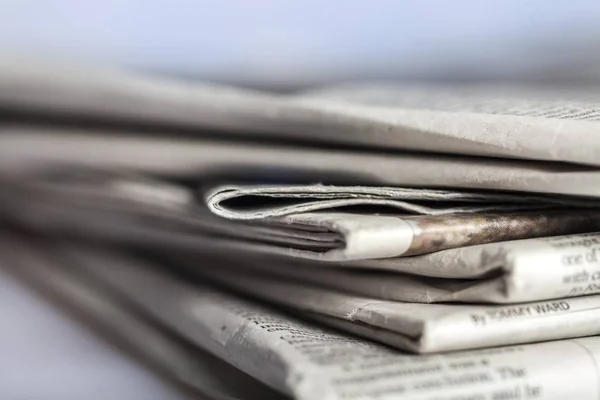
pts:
[361, 241]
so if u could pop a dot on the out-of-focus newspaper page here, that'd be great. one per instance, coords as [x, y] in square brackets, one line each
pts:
[32, 261]
[503, 122]
[26, 148]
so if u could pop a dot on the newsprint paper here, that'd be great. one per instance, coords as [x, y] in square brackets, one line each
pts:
[559, 124]
[201, 373]
[155, 216]
[266, 201]
[26, 149]
[325, 235]
[311, 363]
[331, 236]
[409, 326]
[425, 328]
[334, 235]
[31, 149]
[506, 272]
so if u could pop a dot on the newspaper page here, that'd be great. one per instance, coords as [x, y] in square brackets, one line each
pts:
[425, 328]
[268, 201]
[502, 272]
[373, 236]
[90, 202]
[325, 236]
[411, 326]
[309, 362]
[509, 272]
[502, 122]
[30, 149]
[30, 260]
[148, 214]
[469, 220]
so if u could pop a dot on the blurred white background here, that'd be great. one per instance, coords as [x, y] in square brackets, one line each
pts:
[282, 43]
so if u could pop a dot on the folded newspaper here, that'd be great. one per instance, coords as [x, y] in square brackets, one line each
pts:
[349, 206]
[505, 272]
[308, 362]
[35, 262]
[336, 236]
[325, 235]
[424, 328]
[72, 116]
[408, 326]
[30, 148]
[267, 201]
[166, 217]
[531, 123]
